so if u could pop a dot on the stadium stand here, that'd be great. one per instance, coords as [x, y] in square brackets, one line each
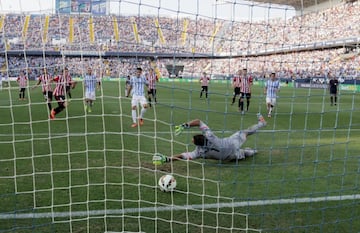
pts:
[61, 32]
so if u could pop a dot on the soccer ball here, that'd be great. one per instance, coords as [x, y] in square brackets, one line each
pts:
[167, 183]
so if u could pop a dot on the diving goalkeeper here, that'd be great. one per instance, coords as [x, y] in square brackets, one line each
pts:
[209, 146]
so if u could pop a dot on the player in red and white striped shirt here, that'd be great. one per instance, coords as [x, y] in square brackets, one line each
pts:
[204, 82]
[245, 90]
[45, 79]
[152, 80]
[236, 83]
[59, 93]
[69, 83]
[22, 81]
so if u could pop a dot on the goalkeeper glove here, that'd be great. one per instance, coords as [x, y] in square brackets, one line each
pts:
[180, 128]
[159, 159]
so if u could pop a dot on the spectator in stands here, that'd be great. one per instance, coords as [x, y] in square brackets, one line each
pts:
[337, 22]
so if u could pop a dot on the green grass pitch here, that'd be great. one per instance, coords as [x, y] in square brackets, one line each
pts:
[98, 168]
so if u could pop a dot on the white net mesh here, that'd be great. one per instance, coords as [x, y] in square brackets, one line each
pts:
[92, 172]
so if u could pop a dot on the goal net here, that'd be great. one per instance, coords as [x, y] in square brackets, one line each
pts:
[75, 161]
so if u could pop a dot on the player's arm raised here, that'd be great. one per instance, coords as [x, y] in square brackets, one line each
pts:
[187, 125]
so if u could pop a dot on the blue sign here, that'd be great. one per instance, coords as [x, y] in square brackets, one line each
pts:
[63, 6]
[96, 7]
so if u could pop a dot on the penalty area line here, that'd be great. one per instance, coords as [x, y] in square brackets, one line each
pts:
[175, 207]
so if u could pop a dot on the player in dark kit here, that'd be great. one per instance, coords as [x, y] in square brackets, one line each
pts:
[333, 88]
[236, 83]
[69, 83]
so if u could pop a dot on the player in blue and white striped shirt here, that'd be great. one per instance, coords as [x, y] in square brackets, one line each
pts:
[90, 85]
[272, 87]
[136, 87]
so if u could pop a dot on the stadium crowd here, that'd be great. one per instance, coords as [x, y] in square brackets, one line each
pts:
[66, 32]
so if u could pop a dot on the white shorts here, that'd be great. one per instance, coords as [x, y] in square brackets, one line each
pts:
[90, 95]
[272, 101]
[137, 99]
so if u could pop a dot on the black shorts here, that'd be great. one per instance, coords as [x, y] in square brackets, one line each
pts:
[48, 95]
[237, 91]
[152, 92]
[333, 91]
[68, 88]
[60, 98]
[204, 88]
[246, 95]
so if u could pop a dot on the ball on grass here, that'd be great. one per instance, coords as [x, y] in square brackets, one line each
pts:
[167, 183]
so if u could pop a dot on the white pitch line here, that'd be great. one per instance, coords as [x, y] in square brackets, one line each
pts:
[175, 207]
[167, 132]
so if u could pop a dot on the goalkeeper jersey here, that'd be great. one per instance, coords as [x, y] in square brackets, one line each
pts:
[226, 149]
